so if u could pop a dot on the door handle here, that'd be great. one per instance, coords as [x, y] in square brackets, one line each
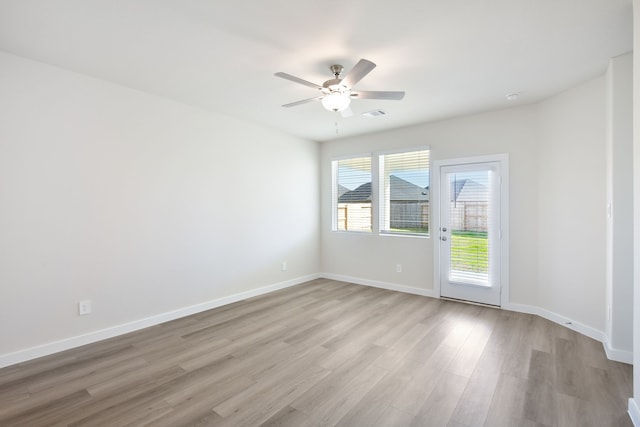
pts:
[443, 238]
[443, 228]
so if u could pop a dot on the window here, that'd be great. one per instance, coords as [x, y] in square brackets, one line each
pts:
[397, 203]
[352, 194]
[404, 192]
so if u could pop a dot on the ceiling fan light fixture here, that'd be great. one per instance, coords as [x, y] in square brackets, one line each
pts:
[336, 101]
[336, 93]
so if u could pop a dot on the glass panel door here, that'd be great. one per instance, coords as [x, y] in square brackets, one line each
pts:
[470, 232]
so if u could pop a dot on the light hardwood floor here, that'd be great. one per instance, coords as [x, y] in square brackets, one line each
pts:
[328, 353]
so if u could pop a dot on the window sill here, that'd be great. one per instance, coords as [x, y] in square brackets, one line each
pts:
[415, 236]
[370, 233]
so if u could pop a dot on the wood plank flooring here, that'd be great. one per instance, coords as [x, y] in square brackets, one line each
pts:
[327, 353]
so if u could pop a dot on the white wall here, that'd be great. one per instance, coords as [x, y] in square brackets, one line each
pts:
[619, 145]
[557, 204]
[140, 204]
[373, 258]
[571, 219]
[634, 403]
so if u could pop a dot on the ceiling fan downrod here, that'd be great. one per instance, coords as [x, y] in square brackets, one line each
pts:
[336, 69]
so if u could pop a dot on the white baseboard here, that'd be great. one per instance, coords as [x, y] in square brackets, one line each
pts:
[80, 340]
[624, 356]
[377, 284]
[634, 412]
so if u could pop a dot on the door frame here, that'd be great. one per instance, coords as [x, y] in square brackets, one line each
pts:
[434, 185]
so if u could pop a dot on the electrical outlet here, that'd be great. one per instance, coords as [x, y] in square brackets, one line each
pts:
[84, 307]
[283, 266]
[398, 268]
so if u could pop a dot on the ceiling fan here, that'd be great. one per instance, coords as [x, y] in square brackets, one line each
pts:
[337, 93]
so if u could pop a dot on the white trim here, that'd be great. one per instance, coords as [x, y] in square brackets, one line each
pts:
[377, 284]
[91, 337]
[351, 156]
[634, 412]
[404, 150]
[334, 195]
[624, 356]
[434, 197]
[434, 224]
[375, 194]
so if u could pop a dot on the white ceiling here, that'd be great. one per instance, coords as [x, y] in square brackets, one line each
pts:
[452, 57]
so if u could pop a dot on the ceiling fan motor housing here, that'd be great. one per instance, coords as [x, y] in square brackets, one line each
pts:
[336, 69]
[334, 85]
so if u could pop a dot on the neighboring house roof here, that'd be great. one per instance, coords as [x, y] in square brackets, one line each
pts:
[361, 194]
[468, 190]
[405, 191]
[401, 190]
[342, 189]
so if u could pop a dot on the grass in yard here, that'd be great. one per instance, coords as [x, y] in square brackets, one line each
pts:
[411, 230]
[469, 251]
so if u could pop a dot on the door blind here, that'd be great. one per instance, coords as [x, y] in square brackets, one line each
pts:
[470, 210]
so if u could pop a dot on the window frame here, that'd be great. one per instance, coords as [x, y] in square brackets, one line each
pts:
[334, 193]
[380, 196]
[377, 175]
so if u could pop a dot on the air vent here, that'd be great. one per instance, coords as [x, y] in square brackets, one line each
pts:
[375, 113]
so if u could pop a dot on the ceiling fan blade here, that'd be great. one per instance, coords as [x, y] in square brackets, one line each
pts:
[347, 112]
[362, 68]
[303, 101]
[298, 80]
[378, 94]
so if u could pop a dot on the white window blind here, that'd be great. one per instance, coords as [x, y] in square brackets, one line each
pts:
[470, 210]
[352, 194]
[404, 192]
